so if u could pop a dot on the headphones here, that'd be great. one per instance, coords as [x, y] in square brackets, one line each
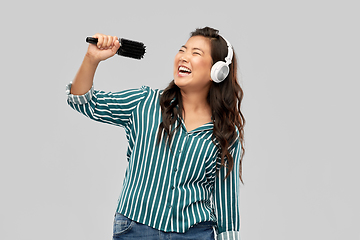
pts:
[220, 70]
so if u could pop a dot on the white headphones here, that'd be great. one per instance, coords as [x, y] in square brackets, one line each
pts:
[220, 69]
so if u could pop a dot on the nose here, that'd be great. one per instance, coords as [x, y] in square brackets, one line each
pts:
[184, 56]
[183, 59]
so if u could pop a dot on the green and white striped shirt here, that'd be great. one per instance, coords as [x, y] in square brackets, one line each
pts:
[167, 188]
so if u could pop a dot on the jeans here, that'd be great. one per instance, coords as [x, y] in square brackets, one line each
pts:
[126, 229]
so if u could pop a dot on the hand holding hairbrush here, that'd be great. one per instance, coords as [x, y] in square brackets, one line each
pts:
[128, 48]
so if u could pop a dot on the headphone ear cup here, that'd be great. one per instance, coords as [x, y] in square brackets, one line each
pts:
[219, 71]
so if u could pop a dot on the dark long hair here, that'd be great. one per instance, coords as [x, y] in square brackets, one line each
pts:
[224, 99]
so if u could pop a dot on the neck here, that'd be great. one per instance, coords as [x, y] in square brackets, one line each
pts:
[195, 101]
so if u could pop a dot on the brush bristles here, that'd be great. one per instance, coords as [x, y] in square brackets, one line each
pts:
[131, 49]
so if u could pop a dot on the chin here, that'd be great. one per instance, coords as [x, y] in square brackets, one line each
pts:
[181, 82]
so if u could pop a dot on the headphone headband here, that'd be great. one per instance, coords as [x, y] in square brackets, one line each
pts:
[230, 52]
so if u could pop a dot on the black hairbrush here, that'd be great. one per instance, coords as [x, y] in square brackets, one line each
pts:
[128, 48]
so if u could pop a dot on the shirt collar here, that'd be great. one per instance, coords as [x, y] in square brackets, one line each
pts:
[206, 127]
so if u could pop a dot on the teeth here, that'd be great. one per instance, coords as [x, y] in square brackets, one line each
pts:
[184, 69]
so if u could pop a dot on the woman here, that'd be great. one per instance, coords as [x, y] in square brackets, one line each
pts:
[185, 142]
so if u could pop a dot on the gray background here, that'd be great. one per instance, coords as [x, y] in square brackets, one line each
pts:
[61, 174]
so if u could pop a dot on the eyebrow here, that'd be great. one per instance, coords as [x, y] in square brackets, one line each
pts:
[183, 46]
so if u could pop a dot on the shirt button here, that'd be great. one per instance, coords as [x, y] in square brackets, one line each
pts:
[175, 169]
[179, 151]
[172, 188]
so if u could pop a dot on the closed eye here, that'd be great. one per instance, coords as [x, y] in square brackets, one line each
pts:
[197, 51]
[182, 49]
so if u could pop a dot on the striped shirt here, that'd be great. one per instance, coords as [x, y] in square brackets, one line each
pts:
[169, 188]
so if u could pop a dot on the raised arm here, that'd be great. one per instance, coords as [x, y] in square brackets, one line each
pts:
[105, 48]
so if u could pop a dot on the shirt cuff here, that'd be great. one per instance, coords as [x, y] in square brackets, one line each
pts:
[229, 235]
[79, 99]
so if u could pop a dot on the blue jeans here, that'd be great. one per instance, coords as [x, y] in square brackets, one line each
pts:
[126, 229]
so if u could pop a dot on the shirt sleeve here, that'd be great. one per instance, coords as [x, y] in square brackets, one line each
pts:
[107, 107]
[226, 199]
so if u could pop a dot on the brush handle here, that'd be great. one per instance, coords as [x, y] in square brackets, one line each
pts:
[91, 40]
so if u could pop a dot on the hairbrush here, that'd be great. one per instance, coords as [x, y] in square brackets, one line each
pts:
[128, 48]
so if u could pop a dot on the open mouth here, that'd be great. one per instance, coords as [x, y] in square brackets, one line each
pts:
[184, 71]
